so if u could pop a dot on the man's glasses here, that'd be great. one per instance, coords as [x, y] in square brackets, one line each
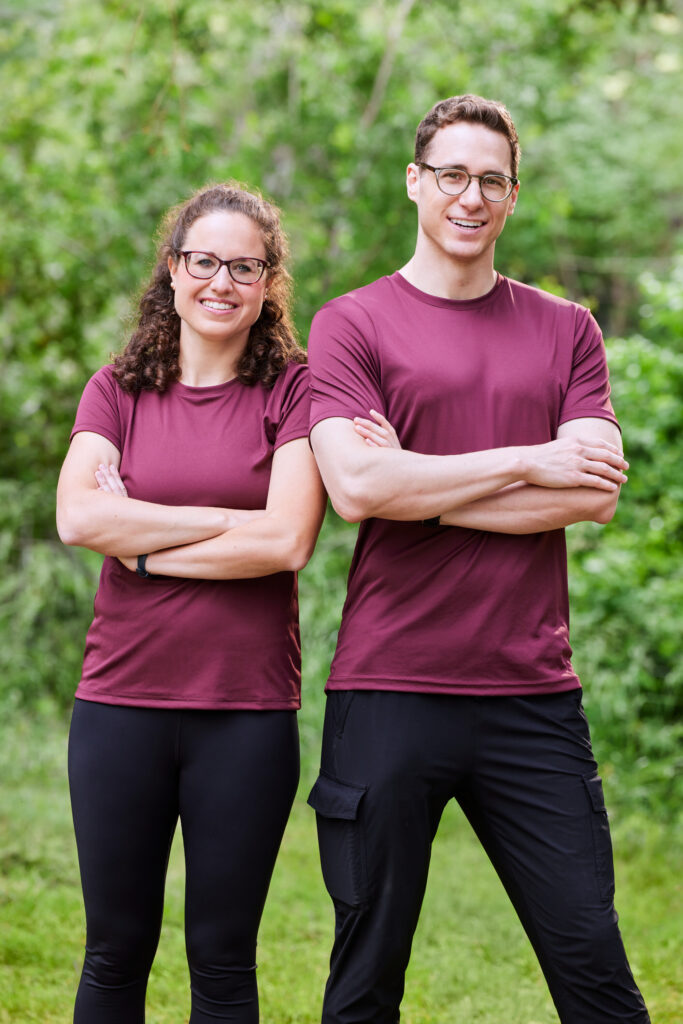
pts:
[243, 269]
[455, 180]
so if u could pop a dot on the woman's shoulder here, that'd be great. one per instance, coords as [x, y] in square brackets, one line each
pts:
[291, 378]
[295, 370]
[105, 380]
[289, 396]
[103, 391]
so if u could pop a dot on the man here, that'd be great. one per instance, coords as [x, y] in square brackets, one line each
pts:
[452, 675]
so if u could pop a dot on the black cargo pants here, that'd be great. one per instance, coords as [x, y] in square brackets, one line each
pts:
[523, 772]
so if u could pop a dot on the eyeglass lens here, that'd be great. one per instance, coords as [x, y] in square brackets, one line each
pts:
[454, 180]
[243, 270]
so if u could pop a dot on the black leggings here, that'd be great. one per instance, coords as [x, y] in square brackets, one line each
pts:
[230, 776]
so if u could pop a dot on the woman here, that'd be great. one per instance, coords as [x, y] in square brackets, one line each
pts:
[190, 469]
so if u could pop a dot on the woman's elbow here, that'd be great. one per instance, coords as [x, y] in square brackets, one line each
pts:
[299, 552]
[69, 526]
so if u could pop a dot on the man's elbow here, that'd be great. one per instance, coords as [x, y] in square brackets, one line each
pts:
[603, 507]
[351, 500]
[346, 509]
[350, 482]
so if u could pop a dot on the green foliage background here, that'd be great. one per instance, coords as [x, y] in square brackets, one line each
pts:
[113, 111]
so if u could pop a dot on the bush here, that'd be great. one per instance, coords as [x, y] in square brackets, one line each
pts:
[46, 598]
[625, 579]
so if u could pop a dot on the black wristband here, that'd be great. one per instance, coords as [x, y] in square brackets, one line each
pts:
[433, 522]
[142, 568]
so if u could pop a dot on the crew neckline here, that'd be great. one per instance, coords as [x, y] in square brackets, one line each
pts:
[190, 391]
[438, 300]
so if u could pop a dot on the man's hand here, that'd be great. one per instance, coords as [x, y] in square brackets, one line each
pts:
[575, 462]
[565, 462]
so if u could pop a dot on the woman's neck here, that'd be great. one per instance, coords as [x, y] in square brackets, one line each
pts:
[203, 365]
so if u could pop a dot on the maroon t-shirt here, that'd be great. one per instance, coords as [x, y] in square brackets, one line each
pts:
[454, 610]
[182, 643]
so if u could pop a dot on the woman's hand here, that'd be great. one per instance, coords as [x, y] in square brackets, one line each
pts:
[108, 480]
[377, 434]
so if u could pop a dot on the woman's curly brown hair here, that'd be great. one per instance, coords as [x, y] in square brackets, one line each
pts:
[151, 359]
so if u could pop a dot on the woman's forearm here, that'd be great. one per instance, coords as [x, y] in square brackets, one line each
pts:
[122, 526]
[272, 543]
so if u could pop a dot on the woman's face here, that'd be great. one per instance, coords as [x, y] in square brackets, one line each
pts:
[219, 310]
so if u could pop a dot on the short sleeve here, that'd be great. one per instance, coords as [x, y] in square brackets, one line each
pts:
[345, 377]
[98, 409]
[288, 409]
[588, 391]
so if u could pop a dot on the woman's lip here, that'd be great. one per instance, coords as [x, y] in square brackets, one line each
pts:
[223, 308]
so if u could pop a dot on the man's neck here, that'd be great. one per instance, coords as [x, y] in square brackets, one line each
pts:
[449, 279]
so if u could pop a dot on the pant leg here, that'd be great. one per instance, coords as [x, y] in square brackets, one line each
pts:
[535, 801]
[239, 774]
[124, 801]
[378, 803]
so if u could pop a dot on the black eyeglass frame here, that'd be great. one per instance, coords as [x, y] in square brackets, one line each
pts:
[480, 177]
[186, 253]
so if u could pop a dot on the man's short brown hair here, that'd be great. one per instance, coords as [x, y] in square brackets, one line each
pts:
[471, 108]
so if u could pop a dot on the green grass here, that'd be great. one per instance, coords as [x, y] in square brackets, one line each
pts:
[471, 961]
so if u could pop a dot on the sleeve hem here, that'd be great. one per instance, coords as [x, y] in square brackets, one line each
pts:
[96, 428]
[295, 434]
[331, 414]
[594, 414]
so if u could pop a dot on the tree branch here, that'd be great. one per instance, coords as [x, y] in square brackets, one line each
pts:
[386, 65]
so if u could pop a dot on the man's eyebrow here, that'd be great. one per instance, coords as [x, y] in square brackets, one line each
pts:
[464, 167]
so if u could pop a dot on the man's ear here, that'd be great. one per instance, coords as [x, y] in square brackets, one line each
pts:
[413, 181]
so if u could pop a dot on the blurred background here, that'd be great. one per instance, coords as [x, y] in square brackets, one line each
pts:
[113, 111]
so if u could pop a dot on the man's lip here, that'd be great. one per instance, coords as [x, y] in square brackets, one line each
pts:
[476, 222]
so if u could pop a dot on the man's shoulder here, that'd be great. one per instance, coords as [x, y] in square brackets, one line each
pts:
[532, 295]
[360, 300]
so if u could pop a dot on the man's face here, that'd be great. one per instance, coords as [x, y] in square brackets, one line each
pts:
[463, 227]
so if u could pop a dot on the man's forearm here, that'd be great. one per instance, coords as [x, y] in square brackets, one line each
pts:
[404, 486]
[523, 508]
[394, 483]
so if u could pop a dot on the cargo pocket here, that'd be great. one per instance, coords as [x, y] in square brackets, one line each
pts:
[340, 837]
[602, 843]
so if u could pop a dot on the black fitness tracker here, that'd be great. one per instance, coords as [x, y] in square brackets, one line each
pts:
[142, 567]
